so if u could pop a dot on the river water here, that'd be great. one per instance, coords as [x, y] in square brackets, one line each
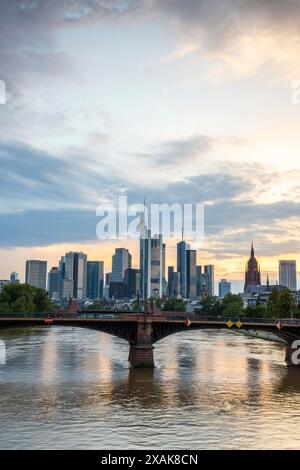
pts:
[73, 389]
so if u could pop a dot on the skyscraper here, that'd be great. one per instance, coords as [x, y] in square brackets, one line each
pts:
[224, 288]
[171, 286]
[191, 274]
[209, 278]
[182, 248]
[36, 273]
[252, 274]
[74, 266]
[157, 262]
[132, 282]
[288, 274]
[151, 265]
[95, 279]
[121, 260]
[199, 279]
[14, 278]
[54, 278]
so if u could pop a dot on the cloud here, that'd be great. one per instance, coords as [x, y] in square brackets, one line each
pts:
[243, 35]
[32, 179]
[50, 200]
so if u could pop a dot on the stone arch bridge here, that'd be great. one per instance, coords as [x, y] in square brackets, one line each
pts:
[142, 331]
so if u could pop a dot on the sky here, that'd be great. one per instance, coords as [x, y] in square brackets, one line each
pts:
[176, 101]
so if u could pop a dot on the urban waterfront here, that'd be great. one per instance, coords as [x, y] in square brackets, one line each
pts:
[71, 388]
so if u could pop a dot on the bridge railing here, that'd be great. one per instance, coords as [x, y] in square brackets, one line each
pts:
[172, 316]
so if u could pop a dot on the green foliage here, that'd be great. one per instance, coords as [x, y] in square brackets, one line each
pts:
[209, 307]
[255, 311]
[271, 311]
[232, 306]
[174, 305]
[23, 298]
[282, 305]
[158, 302]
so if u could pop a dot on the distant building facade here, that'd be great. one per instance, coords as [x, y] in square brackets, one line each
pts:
[74, 268]
[95, 279]
[152, 263]
[182, 248]
[54, 279]
[191, 274]
[199, 280]
[36, 273]
[224, 288]
[208, 279]
[132, 281]
[121, 260]
[14, 278]
[288, 274]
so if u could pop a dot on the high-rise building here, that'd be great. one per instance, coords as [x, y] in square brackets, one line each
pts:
[107, 278]
[14, 278]
[171, 287]
[74, 267]
[156, 266]
[199, 279]
[224, 288]
[95, 279]
[132, 282]
[288, 274]
[54, 278]
[121, 260]
[66, 289]
[151, 265]
[182, 248]
[191, 274]
[252, 274]
[36, 273]
[173, 282]
[164, 280]
[117, 290]
[209, 278]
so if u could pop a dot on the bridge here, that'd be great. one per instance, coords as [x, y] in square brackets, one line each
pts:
[142, 330]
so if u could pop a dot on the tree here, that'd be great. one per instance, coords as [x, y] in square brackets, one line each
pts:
[255, 311]
[23, 298]
[272, 311]
[282, 304]
[210, 306]
[286, 305]
[157, 301]
[232, 306]
[174, 305]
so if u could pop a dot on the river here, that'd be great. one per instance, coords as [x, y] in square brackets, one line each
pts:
[65, 388]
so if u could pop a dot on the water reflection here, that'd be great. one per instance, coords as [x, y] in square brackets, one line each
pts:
[73, 388]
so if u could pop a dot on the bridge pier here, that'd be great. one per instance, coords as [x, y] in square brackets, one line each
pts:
[141, 355]
[141, 352]
[292, 357]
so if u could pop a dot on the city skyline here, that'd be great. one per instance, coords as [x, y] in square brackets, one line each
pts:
[236, 287]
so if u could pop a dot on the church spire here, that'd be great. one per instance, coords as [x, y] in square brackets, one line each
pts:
[252, 250]
[268, 283]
